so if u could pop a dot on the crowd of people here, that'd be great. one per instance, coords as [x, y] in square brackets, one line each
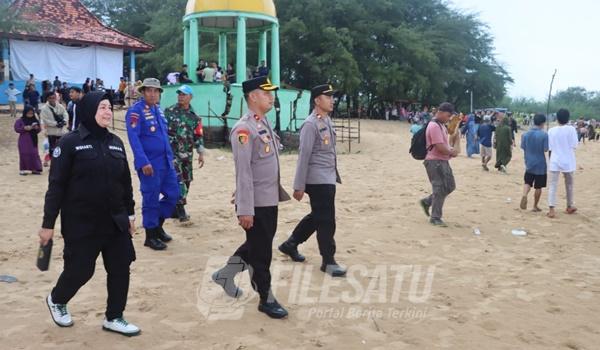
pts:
[97, 207]
[54, 112]
[551, 152]
[211, 72]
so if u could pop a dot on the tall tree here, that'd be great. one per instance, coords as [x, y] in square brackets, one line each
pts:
[378, 51]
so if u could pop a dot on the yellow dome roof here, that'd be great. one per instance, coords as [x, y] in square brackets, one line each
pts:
[263, 7]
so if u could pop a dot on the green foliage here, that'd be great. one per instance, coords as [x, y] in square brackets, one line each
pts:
[384, 50]
[9, 20]
[579, 101]
[377, 51]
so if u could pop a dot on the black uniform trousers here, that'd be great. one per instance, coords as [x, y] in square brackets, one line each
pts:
[257, 250]
[320, 219]
[80, 262]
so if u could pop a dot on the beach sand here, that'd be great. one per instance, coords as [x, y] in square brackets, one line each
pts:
[492, 291]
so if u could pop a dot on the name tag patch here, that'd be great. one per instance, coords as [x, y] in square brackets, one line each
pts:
[115, 148]
[83, 147]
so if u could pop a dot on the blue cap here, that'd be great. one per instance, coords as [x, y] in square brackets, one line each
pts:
[184, 89]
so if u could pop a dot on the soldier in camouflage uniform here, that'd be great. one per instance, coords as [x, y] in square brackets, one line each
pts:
[185, 134]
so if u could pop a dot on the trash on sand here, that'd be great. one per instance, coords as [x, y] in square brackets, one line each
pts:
[519, 232]
[7, 279]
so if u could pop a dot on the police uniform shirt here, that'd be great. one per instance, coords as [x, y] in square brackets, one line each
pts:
[256, 155]
[147, 131]
[89, 183]
[317, 160]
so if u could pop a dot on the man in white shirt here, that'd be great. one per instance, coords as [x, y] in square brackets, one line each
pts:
[209, 73]
[12, 94]
[562, 141]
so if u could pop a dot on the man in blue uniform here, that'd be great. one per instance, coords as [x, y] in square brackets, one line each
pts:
[153, 159]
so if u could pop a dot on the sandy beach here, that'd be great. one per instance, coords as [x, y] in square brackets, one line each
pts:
[488, 291]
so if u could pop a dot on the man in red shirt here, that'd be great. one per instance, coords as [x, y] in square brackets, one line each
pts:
[437, 164]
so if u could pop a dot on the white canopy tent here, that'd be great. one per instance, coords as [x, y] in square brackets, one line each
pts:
[47, 60]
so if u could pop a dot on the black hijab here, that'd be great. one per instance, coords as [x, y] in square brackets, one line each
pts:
[86, 112]
[26, 120]
[29, 122]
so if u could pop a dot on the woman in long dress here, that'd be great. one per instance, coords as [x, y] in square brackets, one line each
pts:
[504, 142]
[28, 128]
[470, 130]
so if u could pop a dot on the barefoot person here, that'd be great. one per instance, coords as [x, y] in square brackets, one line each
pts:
[562, 140]
[535, 145]
[90, 186]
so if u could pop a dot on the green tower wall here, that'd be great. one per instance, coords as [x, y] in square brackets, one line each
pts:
[213, 95]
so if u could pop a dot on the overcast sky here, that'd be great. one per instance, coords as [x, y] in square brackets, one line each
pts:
[533, 37]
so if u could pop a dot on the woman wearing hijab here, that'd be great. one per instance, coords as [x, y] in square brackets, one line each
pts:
[470, 130]
[28, 128]
[90, 185]
[503, 142]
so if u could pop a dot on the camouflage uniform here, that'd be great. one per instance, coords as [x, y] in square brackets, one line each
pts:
[185, 134]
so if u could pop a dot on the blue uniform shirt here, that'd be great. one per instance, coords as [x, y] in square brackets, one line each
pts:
[147, 131]
[535, 144]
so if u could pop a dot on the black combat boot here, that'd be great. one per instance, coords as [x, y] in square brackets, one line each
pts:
[162, 235]
[290, 248]
[152, 240]
[181, 214]
[271, 307]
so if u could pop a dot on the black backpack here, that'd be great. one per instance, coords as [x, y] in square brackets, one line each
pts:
[418, 144]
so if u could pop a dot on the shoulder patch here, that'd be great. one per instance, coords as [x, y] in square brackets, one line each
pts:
[56, 152]
[242, 136]
[133, 119]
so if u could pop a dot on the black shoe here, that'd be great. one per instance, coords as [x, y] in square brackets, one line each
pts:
[291, 249]
[438, 223]
[152, 240]
[425, 207]
[162, 235]
[333, 269]
[272, 309]
[181, 213]
[225, 280]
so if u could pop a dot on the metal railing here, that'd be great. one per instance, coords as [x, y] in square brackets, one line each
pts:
[347, 128]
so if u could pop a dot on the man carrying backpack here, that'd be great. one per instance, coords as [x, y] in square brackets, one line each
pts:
[437, 164]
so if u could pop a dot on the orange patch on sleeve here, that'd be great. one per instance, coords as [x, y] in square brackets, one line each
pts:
[242, 136]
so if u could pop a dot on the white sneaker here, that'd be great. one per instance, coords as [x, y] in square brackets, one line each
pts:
[59, 313]
[119, 325]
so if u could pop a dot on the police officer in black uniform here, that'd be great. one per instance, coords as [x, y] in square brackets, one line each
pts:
[90, 185]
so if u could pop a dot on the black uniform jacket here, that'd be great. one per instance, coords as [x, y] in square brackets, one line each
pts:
[90, 185]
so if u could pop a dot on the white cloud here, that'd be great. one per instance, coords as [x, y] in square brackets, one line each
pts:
[534, 37]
